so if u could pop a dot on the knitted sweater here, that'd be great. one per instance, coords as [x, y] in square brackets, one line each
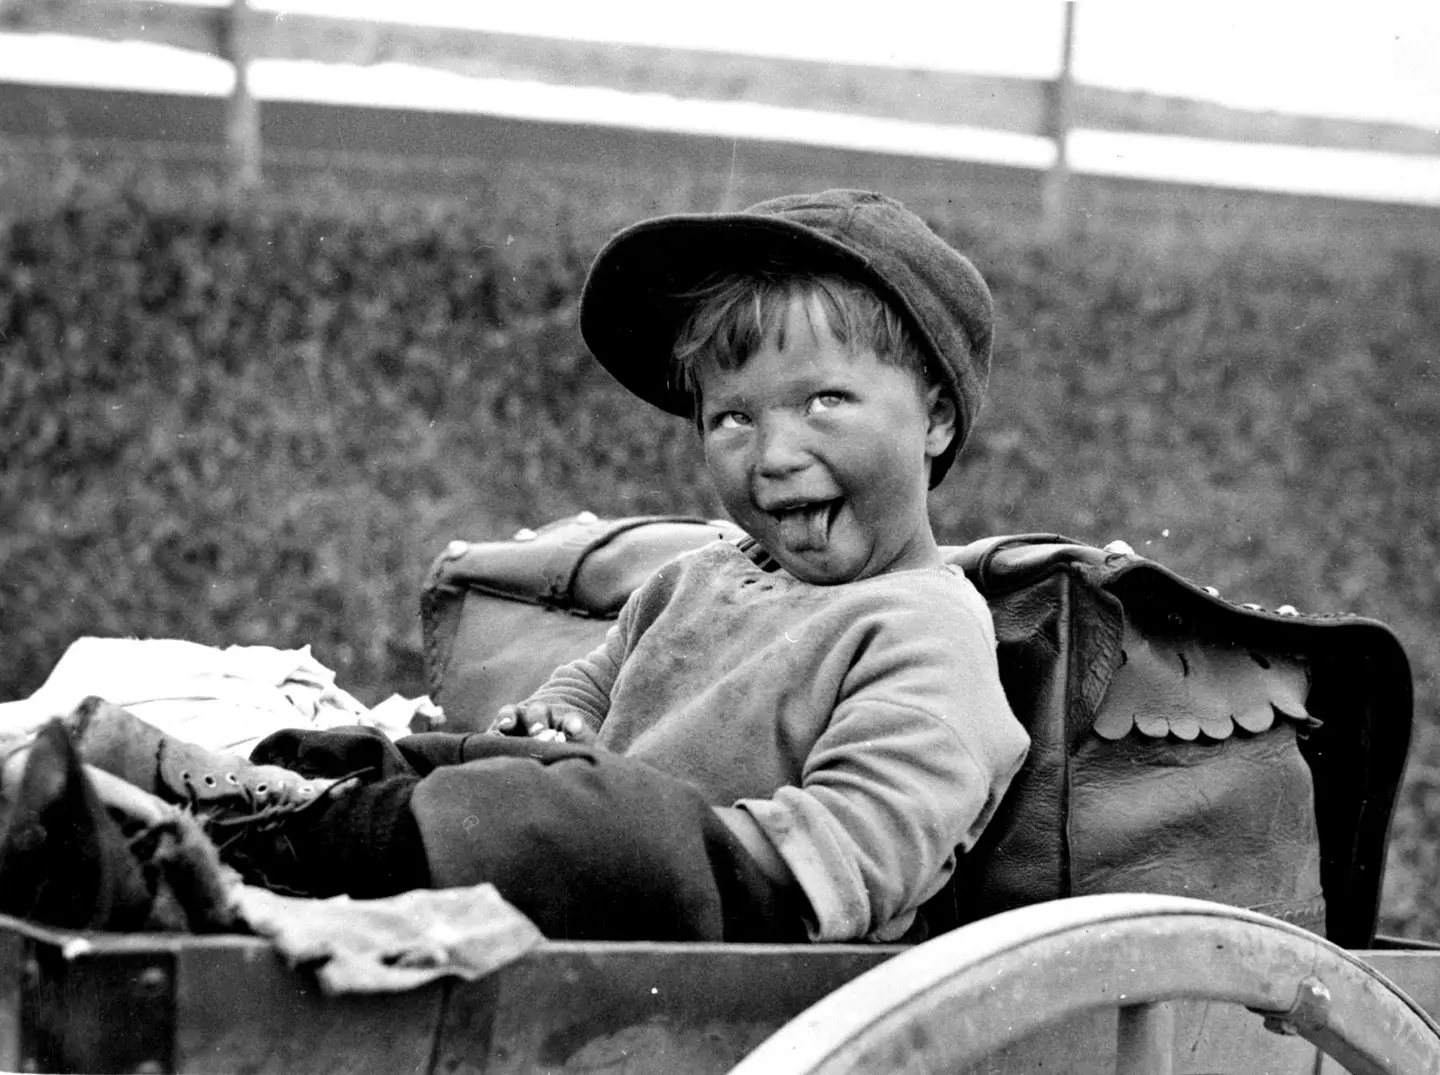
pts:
[863, 726]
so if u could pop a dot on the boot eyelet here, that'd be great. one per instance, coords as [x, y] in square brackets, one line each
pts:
[231, 779]
[209, 780]
[261, 789]
[185, 775]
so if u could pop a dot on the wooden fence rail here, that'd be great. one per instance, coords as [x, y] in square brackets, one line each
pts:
[1046, 108]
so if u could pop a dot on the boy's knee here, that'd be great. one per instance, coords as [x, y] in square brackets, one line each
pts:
[586, 850]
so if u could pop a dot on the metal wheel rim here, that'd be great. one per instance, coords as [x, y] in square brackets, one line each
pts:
[961, 997]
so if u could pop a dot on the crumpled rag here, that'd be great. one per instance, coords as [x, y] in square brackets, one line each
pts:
[396, 943]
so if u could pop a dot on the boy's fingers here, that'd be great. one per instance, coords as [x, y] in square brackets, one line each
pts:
[537, 718]
[539, 721]
[577, 730]
[506, 720]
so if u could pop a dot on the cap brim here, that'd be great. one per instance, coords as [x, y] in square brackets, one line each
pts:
[635, 298]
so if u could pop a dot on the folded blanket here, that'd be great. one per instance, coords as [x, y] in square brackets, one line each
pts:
[225, 700]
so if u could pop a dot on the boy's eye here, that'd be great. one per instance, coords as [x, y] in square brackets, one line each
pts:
[824, 401]
[729, 420]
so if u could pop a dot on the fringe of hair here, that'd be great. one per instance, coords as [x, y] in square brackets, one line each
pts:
[735, 314]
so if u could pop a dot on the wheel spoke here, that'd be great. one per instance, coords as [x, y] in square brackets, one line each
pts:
[1145, 1039]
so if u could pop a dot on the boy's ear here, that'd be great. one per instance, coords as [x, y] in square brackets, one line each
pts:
[941, 415]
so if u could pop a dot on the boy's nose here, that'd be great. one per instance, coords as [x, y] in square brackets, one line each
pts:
[780, 448]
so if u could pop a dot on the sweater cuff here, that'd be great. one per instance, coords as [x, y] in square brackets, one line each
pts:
[757, 843]
[826, 875]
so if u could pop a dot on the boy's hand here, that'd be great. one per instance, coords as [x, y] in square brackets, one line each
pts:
[538, 721]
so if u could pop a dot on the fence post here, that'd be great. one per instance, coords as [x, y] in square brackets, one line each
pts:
[242, 114]
[1055, 190]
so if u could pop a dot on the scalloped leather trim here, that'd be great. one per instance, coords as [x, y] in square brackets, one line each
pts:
[1189, 688]
[1115, 726]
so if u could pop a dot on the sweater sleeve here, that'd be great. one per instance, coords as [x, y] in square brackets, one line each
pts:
[918, 752]
[584, 685]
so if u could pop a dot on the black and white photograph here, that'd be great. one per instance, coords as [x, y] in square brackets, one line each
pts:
[777, 538]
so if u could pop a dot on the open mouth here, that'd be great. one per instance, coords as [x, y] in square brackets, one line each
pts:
[806, 527]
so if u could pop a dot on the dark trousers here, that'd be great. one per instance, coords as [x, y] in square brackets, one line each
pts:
[588, 844]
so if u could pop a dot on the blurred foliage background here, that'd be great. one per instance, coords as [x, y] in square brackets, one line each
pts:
[258, 421]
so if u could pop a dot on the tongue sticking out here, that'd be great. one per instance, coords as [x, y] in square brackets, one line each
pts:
[806, 529]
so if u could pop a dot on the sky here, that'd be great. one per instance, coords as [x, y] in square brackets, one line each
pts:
[1319, 58]
[1375, 59]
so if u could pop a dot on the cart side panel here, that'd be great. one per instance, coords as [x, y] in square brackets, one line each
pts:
[232, 1004]
[702, 1007]
[239, 1007]
[12, 967]
[90, 1009]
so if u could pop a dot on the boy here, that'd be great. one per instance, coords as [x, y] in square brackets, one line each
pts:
[782, 741]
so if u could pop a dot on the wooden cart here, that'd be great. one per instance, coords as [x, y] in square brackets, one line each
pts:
[1091, 983]
[1123, 983]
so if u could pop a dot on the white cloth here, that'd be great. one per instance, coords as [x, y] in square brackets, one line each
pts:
[221, 699]
[396, 943]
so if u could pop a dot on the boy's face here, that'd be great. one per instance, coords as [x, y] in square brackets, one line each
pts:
[821, 452]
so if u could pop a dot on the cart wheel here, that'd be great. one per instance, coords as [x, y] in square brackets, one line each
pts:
[959, 998]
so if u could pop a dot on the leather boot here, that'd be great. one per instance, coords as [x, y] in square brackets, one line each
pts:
[82, 849]
[115, 740]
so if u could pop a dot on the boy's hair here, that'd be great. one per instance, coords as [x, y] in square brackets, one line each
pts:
[735, 314]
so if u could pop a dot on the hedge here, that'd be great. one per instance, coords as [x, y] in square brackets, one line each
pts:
[257, 423]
